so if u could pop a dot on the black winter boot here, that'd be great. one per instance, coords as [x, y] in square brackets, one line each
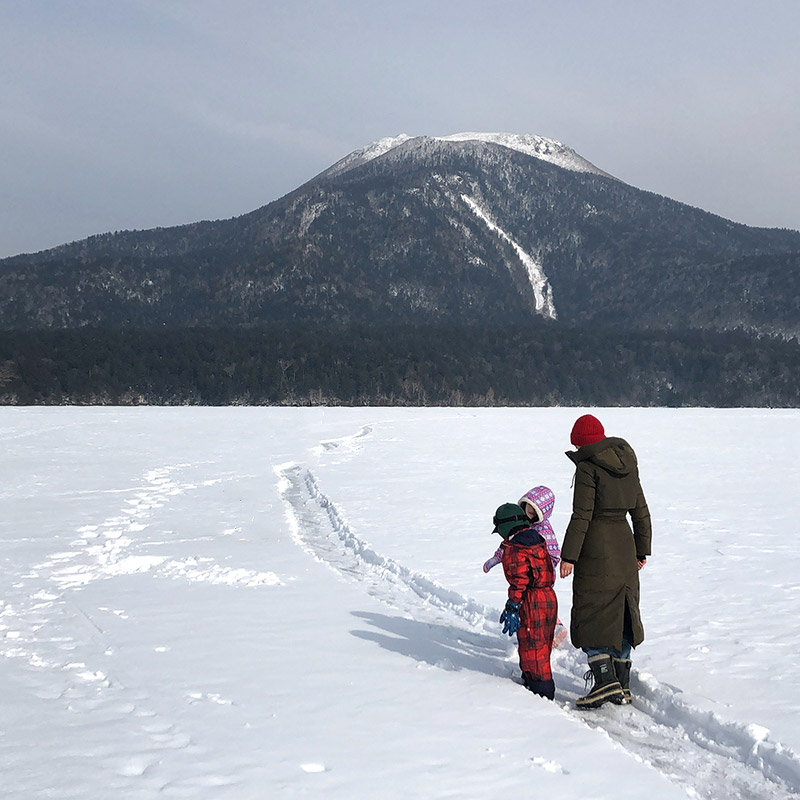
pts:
[546, 689]
[606, 686]
[622, 668]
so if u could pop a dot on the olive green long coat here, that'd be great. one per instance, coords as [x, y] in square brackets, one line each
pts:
[601, 544]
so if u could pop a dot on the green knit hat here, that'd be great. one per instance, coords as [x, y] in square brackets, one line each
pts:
[509, 518]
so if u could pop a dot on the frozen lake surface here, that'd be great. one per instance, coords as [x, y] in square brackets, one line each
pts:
[266, 602]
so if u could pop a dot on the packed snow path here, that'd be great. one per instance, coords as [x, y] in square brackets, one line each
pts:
[77, 665]
[703, 754]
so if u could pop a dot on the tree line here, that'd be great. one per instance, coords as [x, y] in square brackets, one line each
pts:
[449, 364]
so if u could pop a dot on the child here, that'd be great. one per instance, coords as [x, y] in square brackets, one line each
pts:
[531, 608]
[538, 504]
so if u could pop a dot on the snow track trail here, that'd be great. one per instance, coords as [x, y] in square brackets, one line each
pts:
[66, 655]
[387, 580]
[706, 756]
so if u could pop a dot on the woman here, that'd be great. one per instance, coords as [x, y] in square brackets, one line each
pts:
[606, 557]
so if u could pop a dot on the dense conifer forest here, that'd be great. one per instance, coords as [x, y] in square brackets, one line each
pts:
[540, 363]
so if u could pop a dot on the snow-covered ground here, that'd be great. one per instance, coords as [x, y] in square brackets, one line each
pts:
[258, 603]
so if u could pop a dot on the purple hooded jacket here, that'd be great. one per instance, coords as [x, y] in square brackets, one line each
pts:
[544, 500]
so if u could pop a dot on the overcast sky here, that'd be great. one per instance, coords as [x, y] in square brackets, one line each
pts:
[121, 114]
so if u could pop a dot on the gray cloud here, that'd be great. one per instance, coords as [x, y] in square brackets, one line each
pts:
[135, 114]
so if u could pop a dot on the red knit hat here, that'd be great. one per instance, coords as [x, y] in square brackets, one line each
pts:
[586, 430]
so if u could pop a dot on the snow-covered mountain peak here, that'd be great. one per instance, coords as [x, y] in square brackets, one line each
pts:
[537, 146]
[540, 147]
[365, 154]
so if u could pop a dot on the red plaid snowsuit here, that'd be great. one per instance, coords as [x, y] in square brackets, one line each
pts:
[529, 571]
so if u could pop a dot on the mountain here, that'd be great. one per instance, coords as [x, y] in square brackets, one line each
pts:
[469, 228]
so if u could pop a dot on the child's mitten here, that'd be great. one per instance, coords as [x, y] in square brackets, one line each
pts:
[510, 618]
[494, 560]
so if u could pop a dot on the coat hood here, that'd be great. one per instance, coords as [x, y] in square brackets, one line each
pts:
[542, 499]
[613, 454]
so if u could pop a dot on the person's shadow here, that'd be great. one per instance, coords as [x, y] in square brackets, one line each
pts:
[438, 645]
[455, 649]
